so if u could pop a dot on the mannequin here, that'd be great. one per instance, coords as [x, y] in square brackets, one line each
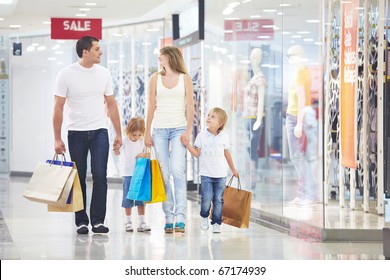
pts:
[253, 110]
[301, 126]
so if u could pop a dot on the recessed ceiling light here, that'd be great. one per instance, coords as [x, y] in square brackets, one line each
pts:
[46, 22]
[84, 9]
[15, 26]
[90, 4]
[81, 15]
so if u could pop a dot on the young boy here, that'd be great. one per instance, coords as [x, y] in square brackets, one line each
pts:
[212, 148]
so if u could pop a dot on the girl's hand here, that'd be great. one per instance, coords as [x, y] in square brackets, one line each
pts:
[235, 173]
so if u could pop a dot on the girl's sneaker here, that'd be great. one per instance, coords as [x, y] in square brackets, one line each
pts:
[168, 228]
[143, 227]
[180, 227]
[129, 227]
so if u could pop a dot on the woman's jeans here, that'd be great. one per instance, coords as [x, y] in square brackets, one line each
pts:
[96, 142]
[212, 191]
[171, 155]
[303, 154]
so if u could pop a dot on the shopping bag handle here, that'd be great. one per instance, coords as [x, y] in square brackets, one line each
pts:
[56, 158]
[229, 184]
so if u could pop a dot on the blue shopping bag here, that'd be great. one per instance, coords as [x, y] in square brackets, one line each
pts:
[141, 183]
[64, 163]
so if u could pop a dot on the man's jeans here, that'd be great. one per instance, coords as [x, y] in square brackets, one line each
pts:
[96, 142]
[171, 155]
[212, 191]
[304, 155]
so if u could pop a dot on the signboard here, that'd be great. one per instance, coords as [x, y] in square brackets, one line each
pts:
[75, 28]
[348, 74]
[248, 29]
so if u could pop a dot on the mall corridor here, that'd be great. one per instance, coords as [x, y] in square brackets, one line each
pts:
[30, 232]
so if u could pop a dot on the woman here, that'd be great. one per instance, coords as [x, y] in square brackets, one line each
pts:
[171, 108]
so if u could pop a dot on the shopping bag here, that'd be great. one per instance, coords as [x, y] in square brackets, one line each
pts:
[74, 202]
[237, 206]
[50, 184]
[140, 185]
[158, 189]
[65, 163]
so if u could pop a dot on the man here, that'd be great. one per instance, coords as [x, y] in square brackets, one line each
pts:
[86, 87]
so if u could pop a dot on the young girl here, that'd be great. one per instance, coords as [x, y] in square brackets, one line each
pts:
[212, 148]
[132, 148]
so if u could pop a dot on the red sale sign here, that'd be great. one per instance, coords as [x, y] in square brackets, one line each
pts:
[75, 28]
[247, 29]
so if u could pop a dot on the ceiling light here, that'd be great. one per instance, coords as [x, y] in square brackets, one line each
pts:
[56, 47]
[153, 29]
[312, 21]
[41, 48]
[233, 4]
[6, 2]
[90, 4]
[84, 9]
[46, 22]
[285, 5]
[1, 18]
[255, 16]
[81, 15]
[15, 26]
[227, 11]
[30, 48]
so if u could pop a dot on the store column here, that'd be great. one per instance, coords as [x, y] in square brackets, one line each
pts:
[4, 107]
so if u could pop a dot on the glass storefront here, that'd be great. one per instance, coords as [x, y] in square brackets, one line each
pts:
[273, 66]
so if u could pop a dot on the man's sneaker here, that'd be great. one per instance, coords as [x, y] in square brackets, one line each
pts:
[168, 228]
[83, 229]
[204, 223]
[129, 227]
[143, 227]
[100, 228]
[216, 228]
[180, 227]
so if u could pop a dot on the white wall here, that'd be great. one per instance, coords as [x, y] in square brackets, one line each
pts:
[32, 81]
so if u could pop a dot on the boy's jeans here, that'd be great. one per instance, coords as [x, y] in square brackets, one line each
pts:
[212, 191]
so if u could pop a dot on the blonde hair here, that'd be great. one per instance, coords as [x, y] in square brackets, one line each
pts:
[222, 117]
[135, 124]
[175, 58]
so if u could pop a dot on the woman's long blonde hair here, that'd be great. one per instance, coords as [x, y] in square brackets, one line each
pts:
[175, 58]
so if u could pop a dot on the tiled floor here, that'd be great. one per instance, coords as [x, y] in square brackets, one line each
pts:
[29, 232]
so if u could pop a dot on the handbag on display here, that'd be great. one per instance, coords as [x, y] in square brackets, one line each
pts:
[237, 205]
[158, 189]
[140, 185]
[51, 183]
[74, 202]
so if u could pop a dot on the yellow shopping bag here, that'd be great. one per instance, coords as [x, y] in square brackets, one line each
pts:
[158, 189]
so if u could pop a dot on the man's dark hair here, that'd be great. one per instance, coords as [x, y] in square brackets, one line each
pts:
[85, 43]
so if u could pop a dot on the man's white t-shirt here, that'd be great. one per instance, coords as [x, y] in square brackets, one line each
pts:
[129, 151]
[84, 90]
[212, 160]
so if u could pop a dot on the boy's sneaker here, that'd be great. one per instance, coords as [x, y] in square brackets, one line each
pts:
[100, 228]
[143, 227]
[129, 227]
[204, 223]
[216, 228]
[168, 228]
[83, 229]
[180, 227]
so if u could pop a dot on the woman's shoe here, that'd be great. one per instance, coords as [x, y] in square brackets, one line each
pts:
[180, 227]
[168, 228]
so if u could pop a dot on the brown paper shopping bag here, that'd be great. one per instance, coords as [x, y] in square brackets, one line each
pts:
[76, 197]
[237, 206]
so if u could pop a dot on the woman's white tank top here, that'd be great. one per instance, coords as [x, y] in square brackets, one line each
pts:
[170, 105]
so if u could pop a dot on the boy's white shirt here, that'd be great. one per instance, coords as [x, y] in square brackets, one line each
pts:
[212, 160]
